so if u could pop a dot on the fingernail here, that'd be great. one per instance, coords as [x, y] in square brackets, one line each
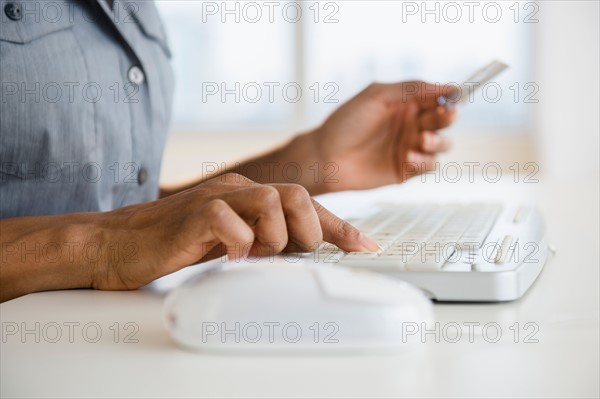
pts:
[368, 244]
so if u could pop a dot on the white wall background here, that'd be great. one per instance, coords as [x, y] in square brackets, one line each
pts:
[567, 68]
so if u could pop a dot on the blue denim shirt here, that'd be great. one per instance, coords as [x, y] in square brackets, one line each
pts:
[86, 101]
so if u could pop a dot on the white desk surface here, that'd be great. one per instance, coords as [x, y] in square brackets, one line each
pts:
[564, 303]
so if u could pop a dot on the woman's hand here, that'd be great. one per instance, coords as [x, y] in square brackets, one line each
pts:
[386, 134]
[229, 214]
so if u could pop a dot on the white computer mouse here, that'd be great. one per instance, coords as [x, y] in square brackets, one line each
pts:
[288, 307]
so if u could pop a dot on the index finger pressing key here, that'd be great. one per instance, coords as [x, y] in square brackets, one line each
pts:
[342, 233]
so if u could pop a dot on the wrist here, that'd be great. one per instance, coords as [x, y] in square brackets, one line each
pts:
[312, 170]
[78, 238]
[94, 252]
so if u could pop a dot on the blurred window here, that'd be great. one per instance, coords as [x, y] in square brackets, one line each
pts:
[276, 65]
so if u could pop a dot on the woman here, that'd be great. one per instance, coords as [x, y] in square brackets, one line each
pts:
[86, 102]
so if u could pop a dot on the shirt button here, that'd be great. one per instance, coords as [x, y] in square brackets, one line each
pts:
[13, 11]
[136, 75]
[142, 176]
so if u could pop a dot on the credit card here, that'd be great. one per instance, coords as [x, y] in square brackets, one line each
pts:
[473, 83]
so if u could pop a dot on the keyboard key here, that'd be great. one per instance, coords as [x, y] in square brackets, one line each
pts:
[359, 256]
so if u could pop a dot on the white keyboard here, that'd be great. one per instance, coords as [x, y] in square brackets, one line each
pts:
[476, 252]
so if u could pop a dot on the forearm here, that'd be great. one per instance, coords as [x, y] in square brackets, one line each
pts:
[47, 253]
[295, 162]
